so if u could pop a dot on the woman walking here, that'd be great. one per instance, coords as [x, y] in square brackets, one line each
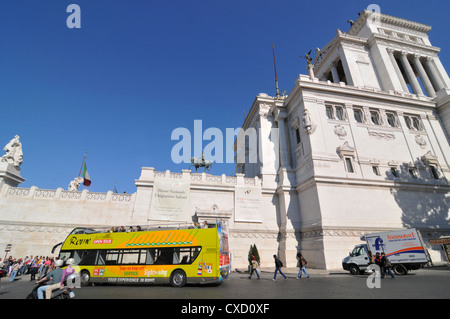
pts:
[302, 265]
[254, 265]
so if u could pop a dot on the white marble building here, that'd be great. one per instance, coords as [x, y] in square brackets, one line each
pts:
[364, 142]
[362, 145]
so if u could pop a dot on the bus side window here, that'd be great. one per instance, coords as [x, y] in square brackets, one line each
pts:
[89, 257]
[182, 255]
[150, 260]
[112, 257]
[78, 256]
[195, 251]
[101, 257]
[165, 256]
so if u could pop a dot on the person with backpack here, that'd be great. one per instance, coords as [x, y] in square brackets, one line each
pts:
[385, 265]
[278, 265]
[302, 265]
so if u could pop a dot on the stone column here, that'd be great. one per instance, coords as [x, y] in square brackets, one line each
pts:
[410, 74]
[424, 77]
[397, 70]
[434, 75]
[335, 73]
[282, 134]
[311, 71]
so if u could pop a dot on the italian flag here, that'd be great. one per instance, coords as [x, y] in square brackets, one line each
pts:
[87, 178]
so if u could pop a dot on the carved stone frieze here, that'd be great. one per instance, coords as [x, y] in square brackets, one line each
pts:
[340, 131]
[34, 228]
[421, 141]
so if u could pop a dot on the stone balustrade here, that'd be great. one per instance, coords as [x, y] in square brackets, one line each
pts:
[149, 174]
[60, 194]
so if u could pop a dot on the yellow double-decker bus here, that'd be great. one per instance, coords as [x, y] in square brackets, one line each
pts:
[175, 255]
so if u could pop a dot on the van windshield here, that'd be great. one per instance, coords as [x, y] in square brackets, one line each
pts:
[358, 251]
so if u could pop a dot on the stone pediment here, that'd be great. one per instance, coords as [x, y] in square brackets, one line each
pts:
[345, 150]
[213, 213]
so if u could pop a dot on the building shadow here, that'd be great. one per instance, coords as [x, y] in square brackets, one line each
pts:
[421, 195]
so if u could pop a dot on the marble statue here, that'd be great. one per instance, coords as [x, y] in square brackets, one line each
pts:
[310, 127]
[201, 162]
[73, 186]
[14, 153]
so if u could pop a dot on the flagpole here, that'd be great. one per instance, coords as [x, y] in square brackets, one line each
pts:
[79, 174]
[275, 68]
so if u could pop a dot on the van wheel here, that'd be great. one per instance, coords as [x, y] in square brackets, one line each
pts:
[354, 270]
[85, 278]
[399, 270]
[178, 278]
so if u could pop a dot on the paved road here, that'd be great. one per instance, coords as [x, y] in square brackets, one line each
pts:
[422, 284]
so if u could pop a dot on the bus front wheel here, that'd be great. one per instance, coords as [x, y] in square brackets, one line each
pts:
[178, 278]
[85, 278]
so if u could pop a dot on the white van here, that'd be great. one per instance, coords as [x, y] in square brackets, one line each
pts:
[404, 248]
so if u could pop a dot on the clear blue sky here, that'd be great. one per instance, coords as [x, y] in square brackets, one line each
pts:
[138, 69]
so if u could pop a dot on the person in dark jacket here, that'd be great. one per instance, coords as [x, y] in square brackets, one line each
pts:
[278, 265]
[385, 266]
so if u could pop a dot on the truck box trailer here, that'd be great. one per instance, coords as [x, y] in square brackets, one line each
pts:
[404, 248]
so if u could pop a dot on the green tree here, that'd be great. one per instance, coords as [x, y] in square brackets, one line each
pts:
[253, 252]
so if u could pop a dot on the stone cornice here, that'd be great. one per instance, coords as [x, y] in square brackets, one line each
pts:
[403, 99]
[387, 20]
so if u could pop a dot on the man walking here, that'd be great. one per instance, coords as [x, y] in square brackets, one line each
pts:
[278, 265]
[385, 265]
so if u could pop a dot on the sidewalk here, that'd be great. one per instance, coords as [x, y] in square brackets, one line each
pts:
[293, 271]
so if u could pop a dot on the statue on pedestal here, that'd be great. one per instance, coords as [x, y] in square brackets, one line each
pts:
[310, 66]
[14, 153]
[73, 185]
[201, 162]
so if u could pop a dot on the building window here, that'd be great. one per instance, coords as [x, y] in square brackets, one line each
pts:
[376, 170]
[340, 113]
[297, 135]
[335, 112]
[391, 119]
[329, 110]
[416, 123]
[394, 171]
[434, 172]
[349, 165]
[375, 117]
[412, 171]
[358, 113]
[413, 122]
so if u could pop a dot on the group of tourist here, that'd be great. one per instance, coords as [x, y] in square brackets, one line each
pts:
[383, 262]
[122, 229]
[44, 268]
[254, 264]
[38, 265]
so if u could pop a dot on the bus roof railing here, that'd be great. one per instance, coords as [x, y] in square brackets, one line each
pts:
[135, 228]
